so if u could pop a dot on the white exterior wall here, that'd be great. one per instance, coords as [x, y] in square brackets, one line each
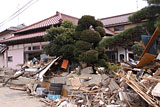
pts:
[17, 55]
[124, 52]
[6, 36]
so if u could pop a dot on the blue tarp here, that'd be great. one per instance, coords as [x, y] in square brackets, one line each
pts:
[145, 39]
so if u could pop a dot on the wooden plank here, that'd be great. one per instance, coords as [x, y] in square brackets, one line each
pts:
[145, 60]
[18, 88]
[157, 73]
[152, 79]
[134, 85]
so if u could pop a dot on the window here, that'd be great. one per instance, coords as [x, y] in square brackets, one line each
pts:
[36, 47]
[10, 58]
[27, 48]
[118, 28]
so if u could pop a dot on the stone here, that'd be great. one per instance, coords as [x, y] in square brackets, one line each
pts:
[104, 76]
[96, 79]
[87, 70]
[68, 82]
[76, 82]
[113, 106]
[61, 80]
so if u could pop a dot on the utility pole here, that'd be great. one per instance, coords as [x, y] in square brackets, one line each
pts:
[137, 4]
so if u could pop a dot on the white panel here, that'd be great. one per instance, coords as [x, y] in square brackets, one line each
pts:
[20, 46]
[36, 44]
[15, 47]
[29, 44]
[10, 47]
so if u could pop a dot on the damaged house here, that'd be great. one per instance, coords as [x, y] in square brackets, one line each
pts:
[28, 42]
[5, 34]
[115, 25]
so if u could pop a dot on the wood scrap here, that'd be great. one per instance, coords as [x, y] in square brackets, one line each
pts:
[18, 88]
[151, 79]
[46, 101]
[139, 91]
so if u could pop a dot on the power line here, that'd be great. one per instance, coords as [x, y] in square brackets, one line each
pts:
[18, 12]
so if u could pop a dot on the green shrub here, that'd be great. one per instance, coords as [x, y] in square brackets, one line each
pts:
[137, 51]
[90, 36]
[67, 50]
[102, 63]
[67, 24]
[90, 56]
[101, 50]
[100, 30]
[83, 45]
[113, 66]
[85, 22]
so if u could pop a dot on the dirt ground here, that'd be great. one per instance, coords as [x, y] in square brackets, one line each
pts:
[15, 98]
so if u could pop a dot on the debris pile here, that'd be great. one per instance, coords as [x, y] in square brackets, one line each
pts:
[129, 86]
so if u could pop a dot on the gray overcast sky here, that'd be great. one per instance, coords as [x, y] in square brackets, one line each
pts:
[46, 8]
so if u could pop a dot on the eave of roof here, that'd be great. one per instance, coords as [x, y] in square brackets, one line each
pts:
[23, 37]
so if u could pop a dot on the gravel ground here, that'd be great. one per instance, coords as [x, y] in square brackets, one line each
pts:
[16, 98]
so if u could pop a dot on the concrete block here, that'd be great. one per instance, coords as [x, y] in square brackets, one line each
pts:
[61, 80]
[68, 82]
[96, 79]
[113, 106]
[104, 76]
[87, 70]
